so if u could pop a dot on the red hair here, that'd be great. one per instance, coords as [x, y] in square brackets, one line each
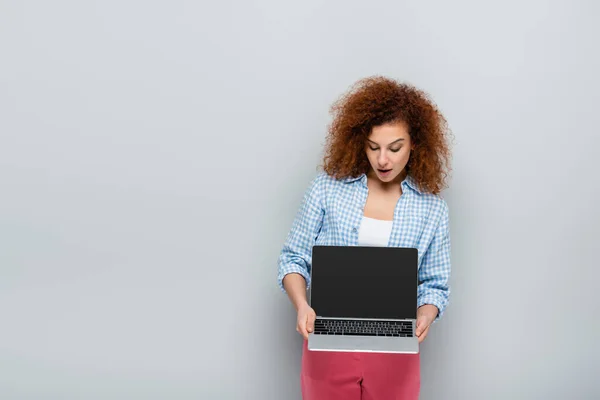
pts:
[376, 101]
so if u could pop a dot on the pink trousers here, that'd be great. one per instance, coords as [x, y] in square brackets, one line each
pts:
[359, 376]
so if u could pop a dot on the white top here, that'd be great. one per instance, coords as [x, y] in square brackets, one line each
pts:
[374, 232]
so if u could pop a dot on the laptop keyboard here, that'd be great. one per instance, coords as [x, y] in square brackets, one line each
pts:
[363, 328]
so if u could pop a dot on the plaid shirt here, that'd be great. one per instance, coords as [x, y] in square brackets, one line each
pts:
[331, 213]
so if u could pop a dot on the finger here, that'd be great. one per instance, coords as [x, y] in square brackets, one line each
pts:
[310, 325]
[423, 335]
[421, 326]
[305, 334]
[302, 328]
[419, 329]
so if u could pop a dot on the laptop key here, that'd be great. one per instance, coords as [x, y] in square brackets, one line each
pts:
[364, 328]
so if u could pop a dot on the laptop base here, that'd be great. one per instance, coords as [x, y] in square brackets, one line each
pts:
[363, 344]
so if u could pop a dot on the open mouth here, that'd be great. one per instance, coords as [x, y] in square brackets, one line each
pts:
[384, 171]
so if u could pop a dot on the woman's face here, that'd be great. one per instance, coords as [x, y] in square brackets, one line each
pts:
[388, 150]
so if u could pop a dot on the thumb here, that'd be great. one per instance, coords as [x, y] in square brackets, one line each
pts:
[420, 326]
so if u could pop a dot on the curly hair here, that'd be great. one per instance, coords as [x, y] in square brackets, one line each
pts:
[379, 100]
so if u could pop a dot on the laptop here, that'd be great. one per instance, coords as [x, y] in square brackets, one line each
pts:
[365, 299]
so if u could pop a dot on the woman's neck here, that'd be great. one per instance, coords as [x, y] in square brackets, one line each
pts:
[375, 183]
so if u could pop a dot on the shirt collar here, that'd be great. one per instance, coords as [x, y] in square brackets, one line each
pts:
[408, 181]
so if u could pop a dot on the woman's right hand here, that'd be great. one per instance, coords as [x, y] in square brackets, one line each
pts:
[306, 320]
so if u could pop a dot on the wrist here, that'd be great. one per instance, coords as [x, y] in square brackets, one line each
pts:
[302, 304]
[429, 310]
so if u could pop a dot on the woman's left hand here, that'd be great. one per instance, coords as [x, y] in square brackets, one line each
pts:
[425, 316]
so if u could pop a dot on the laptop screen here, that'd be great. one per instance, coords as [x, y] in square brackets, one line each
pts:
[364, 282]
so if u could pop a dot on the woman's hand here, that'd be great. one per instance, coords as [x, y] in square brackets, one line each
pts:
[306, 320]
[295, 286]
[425, 316]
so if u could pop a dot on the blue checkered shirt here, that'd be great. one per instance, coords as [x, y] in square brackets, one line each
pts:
[331, 212]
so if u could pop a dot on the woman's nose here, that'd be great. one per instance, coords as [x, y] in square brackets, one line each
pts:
[382, 159]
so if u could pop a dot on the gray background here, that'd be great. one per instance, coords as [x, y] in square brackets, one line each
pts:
[153, 155]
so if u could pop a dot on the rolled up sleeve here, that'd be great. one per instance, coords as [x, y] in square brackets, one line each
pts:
[434, 273]
[296, 254]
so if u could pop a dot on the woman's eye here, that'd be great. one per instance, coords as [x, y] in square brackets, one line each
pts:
[372, 148]
[395, 150]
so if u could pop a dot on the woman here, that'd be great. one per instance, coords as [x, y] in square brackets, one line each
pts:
[385, 165]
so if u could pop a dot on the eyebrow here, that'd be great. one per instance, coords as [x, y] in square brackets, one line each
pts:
[395, 141]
